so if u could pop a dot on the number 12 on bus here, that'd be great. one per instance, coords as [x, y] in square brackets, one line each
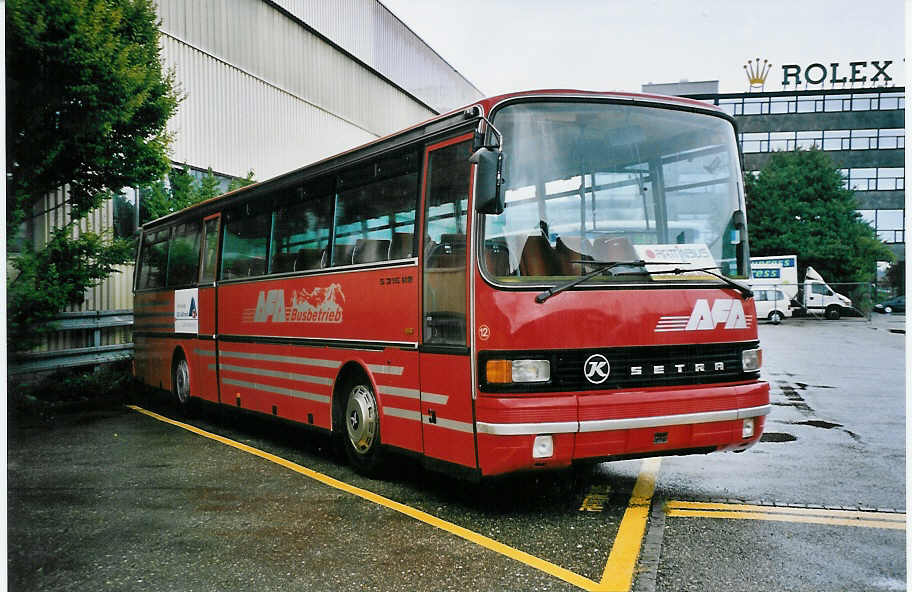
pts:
[541, 279]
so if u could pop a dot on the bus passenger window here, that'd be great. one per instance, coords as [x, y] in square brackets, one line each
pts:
[244, 244]
[183, 261]
[210, 254]
[445, 245]
[153, 260]
[300, 231]
[375, 210]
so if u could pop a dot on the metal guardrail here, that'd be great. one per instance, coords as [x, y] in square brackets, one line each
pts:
[79, 356]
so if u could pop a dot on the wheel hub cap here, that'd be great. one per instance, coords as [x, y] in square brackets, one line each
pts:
[362, 419]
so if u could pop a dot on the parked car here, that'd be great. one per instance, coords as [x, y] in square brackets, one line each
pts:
[897, 304]
[772, 304]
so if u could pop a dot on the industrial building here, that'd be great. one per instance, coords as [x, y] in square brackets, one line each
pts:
[861, 129]
[269, 86]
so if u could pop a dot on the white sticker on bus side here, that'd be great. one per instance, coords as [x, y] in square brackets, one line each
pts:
[186, 311]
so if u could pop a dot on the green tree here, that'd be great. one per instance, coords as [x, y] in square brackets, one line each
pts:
[55, 277]
[87, 108]
[239, 182]
[87, 100]
[896, 276]
[798, 205]
[182, 190]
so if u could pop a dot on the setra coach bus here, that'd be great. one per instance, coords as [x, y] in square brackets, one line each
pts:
[541, 279]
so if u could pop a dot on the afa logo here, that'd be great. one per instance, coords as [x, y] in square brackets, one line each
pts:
[724, 311]
[320, 305]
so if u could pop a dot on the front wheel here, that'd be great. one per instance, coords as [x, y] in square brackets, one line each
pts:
[832, 313]
[775, 317]
[362, 428]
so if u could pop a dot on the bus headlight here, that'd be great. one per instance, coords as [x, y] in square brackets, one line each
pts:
[751, 359]
[512, 371]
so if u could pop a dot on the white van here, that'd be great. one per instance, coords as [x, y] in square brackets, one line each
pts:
[772, 304]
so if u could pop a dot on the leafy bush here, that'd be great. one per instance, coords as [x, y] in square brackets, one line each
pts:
[108, 382]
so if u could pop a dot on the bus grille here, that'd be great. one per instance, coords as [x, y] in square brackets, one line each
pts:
[630, 367]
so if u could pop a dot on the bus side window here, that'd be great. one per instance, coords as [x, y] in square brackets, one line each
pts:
[153, 260]
[300, 232]
[445, 245]
[183, 260]
[210, 253]
[375, 210]
[245, 239]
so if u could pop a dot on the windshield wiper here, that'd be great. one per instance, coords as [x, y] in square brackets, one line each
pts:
[603, 267]
[744, 290]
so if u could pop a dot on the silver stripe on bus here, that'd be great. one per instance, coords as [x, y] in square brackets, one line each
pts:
[278, 390]
[399, 391]
[413, 394]
[275, 374]
[440, 422]
[284, 359]
[565, 427]
[671, 420]
[402, 413]
[524, 429]
[449, 424]
[205, 352]
[434, 398]
[381, 369]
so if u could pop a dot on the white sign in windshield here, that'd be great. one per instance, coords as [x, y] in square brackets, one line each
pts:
[690, 256]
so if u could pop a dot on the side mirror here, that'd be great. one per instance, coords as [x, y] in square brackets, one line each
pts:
[489, 198]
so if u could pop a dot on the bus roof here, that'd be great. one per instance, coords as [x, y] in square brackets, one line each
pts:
[437, 124]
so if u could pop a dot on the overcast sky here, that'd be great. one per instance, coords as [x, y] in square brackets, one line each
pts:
[507, 45]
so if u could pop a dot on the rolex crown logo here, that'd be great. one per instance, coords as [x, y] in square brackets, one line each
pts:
[757, 72]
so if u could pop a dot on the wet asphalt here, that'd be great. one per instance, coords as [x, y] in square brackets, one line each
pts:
[110, 499]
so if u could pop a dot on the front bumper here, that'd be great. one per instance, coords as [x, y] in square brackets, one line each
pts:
[643, 422]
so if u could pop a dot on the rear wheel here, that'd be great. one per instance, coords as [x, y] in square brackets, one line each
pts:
[361, 431]
[832, 313]
[775, 317]
[180, 383]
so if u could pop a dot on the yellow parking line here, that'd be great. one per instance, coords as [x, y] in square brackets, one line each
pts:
[618, 573]
[787, 514]
[479, 539]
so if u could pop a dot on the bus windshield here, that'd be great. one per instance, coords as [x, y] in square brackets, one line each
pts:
[604, 182]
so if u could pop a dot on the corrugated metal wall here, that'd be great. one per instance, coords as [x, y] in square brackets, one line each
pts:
[370, 32]
[114, 293]
[234, 122]
[266, 92]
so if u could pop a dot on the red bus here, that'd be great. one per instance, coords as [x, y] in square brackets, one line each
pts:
[541, 279]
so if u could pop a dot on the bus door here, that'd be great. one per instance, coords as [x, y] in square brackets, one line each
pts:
[444, 357]
[206, 354]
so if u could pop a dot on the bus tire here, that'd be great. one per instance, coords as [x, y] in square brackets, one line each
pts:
[775, 317]
[180, 382]
[832, 312]
[360, 427]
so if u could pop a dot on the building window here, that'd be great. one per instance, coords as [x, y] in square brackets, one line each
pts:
[813, 103]
[836, 139]
[125, 217]
[891, 139]
[889, 224]
[808, 140]
[833, 140]
[890, 179]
